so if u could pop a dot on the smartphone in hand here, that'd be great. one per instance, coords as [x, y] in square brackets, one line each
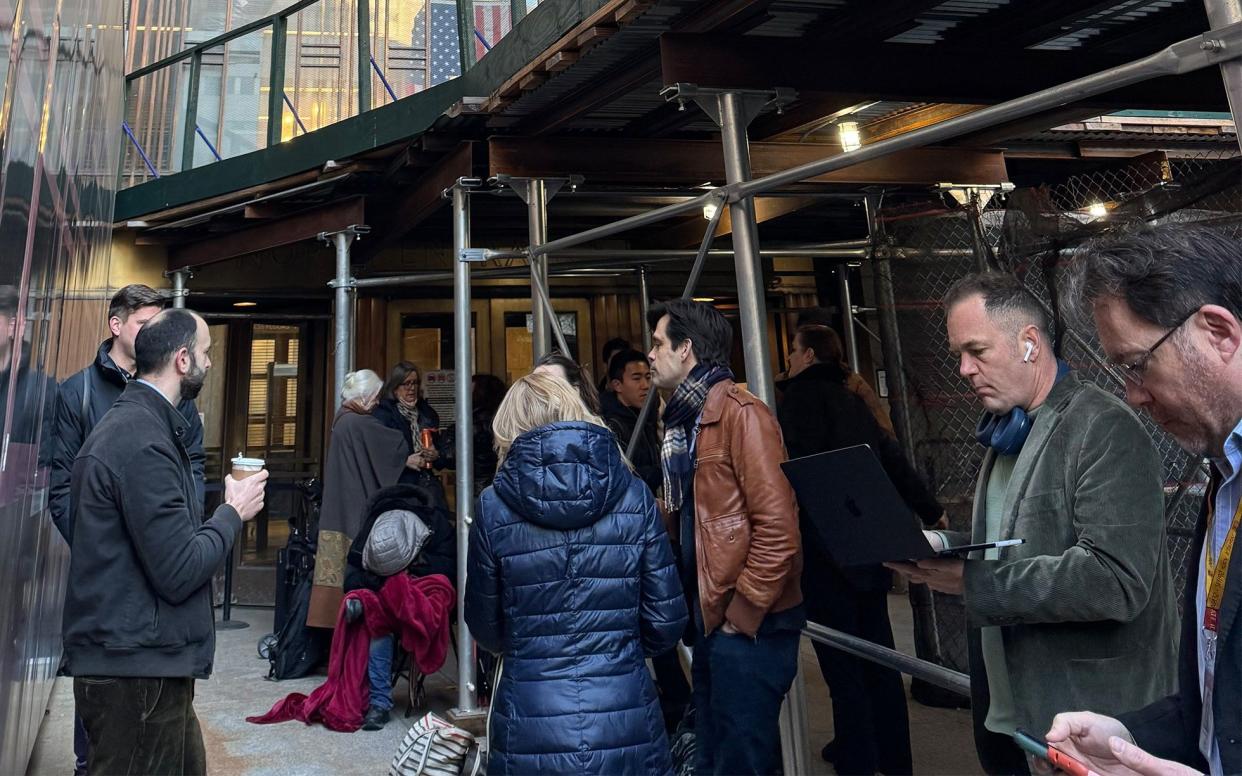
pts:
[1058, 759]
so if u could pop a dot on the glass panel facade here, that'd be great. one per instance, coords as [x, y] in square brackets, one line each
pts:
[59, 114]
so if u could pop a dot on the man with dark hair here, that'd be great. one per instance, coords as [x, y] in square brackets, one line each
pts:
[138, 622]
[1167, 303]
[818, 412]
[734, 518]
[1071, 471]
[611, 348]
[629, 382]
[85, 396]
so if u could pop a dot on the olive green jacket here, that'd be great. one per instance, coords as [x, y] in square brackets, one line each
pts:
[1086, 604]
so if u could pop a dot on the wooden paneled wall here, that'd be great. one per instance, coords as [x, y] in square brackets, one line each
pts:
[371, 338]
[614, 315]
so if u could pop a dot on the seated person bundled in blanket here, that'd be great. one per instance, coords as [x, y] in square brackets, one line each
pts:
[406, 530]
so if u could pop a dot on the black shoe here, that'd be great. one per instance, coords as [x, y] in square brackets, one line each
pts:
[829, 752]
[375, 719]
[353, 611]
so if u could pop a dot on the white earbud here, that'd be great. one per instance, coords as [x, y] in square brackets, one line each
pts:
[1030, 347]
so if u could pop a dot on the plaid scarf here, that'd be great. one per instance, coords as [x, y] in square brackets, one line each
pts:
[680, 414]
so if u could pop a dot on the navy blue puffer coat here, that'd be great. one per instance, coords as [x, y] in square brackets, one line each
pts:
[571, 579]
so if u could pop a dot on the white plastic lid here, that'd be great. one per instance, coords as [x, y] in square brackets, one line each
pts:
[243, 462]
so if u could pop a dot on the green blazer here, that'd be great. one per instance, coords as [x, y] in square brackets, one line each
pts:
[1086, 605]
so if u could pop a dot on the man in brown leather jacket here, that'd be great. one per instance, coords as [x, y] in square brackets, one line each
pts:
[734, 518]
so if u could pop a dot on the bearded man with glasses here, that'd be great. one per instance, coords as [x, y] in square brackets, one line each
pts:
[1180, 289]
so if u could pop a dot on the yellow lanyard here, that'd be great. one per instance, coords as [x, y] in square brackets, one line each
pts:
[1217, 569]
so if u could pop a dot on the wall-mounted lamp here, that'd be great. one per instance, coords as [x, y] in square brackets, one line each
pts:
[851, 138]
[1097, 210]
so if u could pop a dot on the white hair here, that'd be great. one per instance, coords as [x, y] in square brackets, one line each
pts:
[361, 386]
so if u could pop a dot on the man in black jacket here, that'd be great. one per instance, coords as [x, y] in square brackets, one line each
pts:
[819, 413]
[1167, 304]
[629, 380]
[84, 397]
[138, 622]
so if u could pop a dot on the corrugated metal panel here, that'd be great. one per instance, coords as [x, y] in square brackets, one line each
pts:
[790, 18]
[944, 17]
[1119, 15]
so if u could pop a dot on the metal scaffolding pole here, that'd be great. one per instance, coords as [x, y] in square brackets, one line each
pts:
[644, 305]
[1221, 13]
[734, 116]
[463, 366]
[342, 315]
[179, 291]
[847, 316]
[537, 223]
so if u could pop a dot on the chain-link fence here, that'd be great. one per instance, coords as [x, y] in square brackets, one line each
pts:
[1032, 233]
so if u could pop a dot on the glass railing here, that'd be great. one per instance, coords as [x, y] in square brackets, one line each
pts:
[312, 64]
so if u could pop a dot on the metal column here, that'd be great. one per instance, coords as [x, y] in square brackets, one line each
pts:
[847, 316]
[463, 366]
[537, 222]
[644, 304]
[734, 117]
[746, 262]
[342, 315]
[179, 292]
[1221, 13]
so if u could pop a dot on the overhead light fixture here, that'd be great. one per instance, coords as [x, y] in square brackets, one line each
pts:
[245, 304]
[709, 210]
[851, 138]
[708, 299]
[1097, 210]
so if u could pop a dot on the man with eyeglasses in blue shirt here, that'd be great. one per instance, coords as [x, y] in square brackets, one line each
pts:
[1167, 303]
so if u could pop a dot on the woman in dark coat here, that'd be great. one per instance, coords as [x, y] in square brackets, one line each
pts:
[571, 580]
[402, 407]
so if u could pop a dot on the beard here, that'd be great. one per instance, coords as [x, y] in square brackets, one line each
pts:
[192, 382]
[1207, 419]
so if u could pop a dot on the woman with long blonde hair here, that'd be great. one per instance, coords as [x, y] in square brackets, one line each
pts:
[571, 580]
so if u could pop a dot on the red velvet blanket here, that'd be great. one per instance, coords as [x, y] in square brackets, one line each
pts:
[416, 608]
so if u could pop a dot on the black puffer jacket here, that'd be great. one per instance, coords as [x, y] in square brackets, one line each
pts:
[139, 587]
[438, 555]
[76, 418]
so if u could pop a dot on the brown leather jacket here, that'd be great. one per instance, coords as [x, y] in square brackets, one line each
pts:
[748, 544]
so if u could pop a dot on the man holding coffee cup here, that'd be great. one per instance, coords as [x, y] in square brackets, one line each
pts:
[138, 621]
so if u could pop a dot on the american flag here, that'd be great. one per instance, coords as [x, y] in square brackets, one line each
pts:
[491, 21]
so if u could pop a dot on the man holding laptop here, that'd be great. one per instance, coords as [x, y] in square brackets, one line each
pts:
[1081, 615]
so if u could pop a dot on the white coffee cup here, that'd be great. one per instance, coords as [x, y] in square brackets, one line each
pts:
[244, 467]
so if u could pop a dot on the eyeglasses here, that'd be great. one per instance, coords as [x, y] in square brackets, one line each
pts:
[1135, 371]
[411, 384]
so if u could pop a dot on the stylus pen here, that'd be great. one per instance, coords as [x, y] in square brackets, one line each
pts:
[1009, 543]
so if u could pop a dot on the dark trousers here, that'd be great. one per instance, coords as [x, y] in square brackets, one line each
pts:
[739, 684]
[140, 726]
[674, 690]
[81, 745]
[869, 715]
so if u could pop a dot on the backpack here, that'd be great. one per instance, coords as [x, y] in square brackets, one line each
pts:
[296, 649]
